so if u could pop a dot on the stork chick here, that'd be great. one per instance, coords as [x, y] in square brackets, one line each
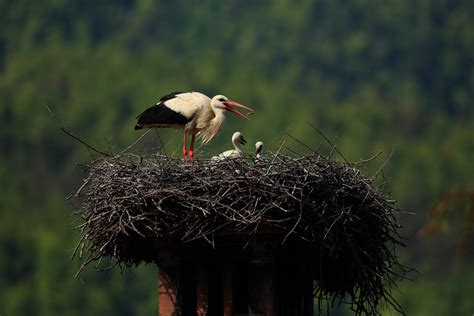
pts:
[259, 149]
[238, 141]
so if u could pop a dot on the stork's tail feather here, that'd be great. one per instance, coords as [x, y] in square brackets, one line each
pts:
[138, 127]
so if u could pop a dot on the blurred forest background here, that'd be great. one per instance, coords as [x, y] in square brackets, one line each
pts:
[373, 76]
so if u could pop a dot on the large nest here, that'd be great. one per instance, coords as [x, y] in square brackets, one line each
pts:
[317, 210]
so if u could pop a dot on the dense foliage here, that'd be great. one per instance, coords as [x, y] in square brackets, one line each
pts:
[373, 76]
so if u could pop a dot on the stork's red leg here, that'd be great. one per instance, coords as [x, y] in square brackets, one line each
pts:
[191, 148]
[185, 152]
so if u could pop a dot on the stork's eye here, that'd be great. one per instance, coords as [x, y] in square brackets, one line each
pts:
[222, 100]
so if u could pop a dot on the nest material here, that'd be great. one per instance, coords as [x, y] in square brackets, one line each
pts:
[326, 212]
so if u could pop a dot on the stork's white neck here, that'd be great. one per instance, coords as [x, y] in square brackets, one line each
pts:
[214, 126]
[238, 145]
[217, 121]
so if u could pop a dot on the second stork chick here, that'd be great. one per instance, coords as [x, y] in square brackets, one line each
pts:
[259, 149]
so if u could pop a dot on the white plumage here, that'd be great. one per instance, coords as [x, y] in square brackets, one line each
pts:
[259, 149]
[238, 141]
[193, 112]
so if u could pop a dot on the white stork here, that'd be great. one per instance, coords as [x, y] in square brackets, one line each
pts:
[193, 112]
[259, 149]
[238, 141]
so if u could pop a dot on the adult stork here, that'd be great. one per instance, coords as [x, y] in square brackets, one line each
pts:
[259, 149]
[238, 141]
[193, 112]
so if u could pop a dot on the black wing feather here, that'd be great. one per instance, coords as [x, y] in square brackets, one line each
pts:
[158, 115]
[163, 99]
[169, 96]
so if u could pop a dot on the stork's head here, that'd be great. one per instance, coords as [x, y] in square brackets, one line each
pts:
[222, 103]
[258, 148]
[238, 138]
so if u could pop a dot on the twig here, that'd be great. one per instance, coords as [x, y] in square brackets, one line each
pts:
[364, 161]
[328, 141]
[383, 165]
[133, 144]
[71, 134]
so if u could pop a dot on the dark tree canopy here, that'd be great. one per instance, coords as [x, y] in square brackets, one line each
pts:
[373, 76]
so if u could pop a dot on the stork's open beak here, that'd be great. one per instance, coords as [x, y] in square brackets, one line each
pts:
[229, 107]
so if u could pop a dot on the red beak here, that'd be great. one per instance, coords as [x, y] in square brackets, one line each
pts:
[229, 107]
